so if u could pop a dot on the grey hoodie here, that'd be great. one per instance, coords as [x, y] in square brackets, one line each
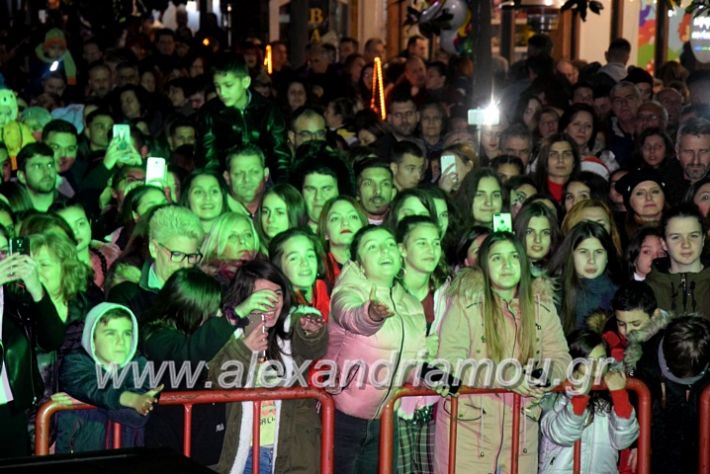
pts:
[92, 319]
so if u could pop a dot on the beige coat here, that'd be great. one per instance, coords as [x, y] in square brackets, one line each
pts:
[484, 427]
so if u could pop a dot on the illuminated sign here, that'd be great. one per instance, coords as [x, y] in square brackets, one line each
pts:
[700, 38]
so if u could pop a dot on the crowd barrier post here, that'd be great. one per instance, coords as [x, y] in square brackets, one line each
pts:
[190, 398]
[643, 413]
[704, 441]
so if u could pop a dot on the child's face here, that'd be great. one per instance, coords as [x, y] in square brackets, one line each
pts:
[54, 51]
[112, 340]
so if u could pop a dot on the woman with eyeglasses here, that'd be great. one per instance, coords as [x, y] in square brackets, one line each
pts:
[558, 162]
[174, 238]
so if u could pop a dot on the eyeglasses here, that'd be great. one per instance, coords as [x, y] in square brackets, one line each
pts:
[179, 257]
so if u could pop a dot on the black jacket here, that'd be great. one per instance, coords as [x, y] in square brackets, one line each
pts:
[221, 128]
[674, 431]
[27, 325]
[163, 344]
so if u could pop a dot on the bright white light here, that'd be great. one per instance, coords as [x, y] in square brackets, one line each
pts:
[54, 66]
[491, 114]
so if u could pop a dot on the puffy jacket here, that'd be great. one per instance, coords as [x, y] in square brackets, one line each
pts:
[221, 128]
[356, 342]
[602, 438]
[680, 292]
[484, 420]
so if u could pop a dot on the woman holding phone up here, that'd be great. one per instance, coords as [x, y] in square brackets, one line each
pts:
[275, 333]
[503, 318]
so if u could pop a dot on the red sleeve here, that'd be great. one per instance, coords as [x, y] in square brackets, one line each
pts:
[579, 404]
[622, 405]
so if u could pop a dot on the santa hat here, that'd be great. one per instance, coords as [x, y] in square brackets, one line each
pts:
[596, 166]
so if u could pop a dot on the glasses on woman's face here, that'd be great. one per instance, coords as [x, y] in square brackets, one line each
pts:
[179, 257]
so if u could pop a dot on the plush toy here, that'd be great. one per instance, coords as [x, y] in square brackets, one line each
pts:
[13, 134]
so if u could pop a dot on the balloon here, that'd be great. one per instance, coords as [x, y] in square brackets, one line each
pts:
[454, 38]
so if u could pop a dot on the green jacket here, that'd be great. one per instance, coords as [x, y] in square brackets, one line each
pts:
[680, 292]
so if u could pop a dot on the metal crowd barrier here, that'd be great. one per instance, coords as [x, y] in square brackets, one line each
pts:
[704, 425]
[643, 413]
[191, 398]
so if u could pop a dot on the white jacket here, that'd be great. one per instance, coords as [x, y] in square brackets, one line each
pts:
[601, 439]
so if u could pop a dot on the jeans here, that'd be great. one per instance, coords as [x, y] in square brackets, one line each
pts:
[357, 443]
[266, 461]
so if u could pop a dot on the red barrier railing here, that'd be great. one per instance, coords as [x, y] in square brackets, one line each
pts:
[704, 442]
[189, 399]
[643, 413]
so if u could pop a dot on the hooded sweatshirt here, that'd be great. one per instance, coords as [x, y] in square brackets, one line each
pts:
[85, 430]
[78, 374]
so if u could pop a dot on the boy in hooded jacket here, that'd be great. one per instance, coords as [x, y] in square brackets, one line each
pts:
[93, 375]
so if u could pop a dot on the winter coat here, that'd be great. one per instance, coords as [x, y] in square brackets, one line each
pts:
[297, 432]
[356, 342]
[484, 441]
[163, 344]
[593, 295]
[680, 292]
[139, 297]
[27, 326]
[261, 123]
[602, 437]
[674, 431]
[85, 430]
[442, 300]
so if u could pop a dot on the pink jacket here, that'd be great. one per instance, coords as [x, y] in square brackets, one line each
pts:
[366, 351]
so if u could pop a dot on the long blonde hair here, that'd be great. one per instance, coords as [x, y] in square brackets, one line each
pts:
[493, 316]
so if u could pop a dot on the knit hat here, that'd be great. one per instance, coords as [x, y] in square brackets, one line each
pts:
[55, 36]
[626, 185]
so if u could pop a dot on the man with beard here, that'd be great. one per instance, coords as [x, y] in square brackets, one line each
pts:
[375, 188]
[37, 171]
[693, 149]
[62, 138]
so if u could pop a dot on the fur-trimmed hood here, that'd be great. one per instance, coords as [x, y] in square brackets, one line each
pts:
[636, 339]
[468, 286]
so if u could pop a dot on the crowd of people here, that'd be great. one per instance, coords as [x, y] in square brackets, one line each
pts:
[291, 224]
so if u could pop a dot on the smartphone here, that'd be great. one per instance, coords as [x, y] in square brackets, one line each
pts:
[155, 171]
[437, 375]
[19, 245]
[538, 378]
[122, 132]
[502, 222]
[448, 163]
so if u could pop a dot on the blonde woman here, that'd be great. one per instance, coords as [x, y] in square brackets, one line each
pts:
[232, 239]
